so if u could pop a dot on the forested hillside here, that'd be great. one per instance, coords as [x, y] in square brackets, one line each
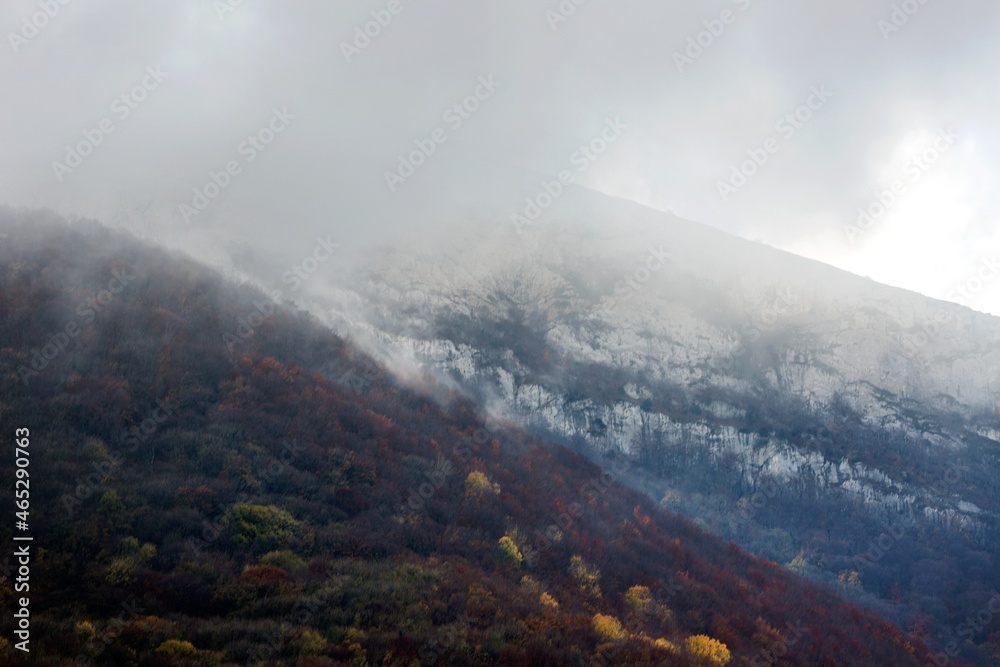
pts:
[216, 480]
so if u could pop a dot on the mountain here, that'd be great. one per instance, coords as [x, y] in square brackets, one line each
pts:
[219, 479]
[844, 428]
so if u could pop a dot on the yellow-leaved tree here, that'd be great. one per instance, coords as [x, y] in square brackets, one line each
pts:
[479, 487]
[608, 628]
[713, 650]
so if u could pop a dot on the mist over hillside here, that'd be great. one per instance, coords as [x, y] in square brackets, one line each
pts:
[525, 333]
[842, 427]
[207, 494]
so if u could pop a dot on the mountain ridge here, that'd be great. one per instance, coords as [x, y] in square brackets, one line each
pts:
[293, 503]
[856, 399]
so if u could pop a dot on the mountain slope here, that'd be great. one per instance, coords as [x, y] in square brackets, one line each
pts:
[220, 480]
[809, 414]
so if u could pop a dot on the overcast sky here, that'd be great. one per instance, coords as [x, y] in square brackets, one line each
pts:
[903, 108]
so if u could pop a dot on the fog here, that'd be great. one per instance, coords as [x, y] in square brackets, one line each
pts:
[264, 125]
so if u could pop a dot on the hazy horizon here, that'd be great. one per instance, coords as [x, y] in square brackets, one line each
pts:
[826, 110]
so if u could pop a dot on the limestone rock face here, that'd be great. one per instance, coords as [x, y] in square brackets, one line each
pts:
[664, 341]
